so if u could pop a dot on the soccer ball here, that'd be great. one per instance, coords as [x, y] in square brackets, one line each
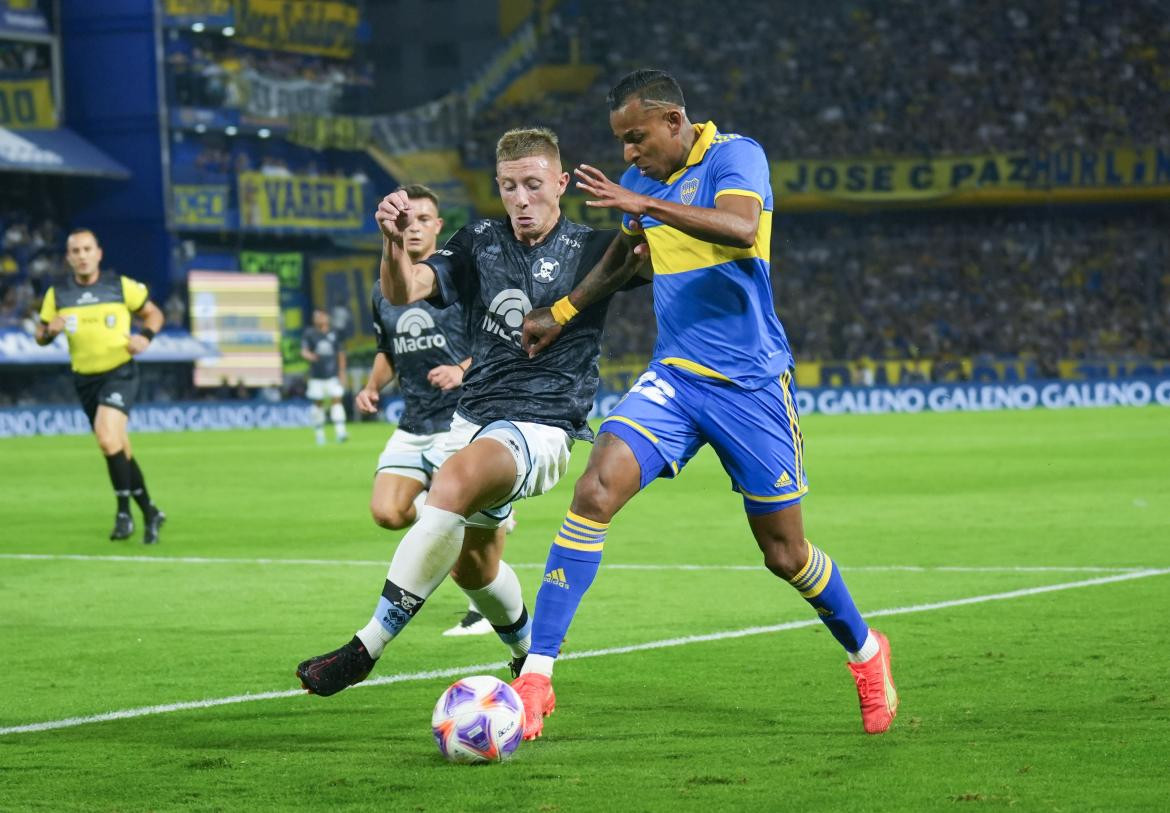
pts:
[478, 719]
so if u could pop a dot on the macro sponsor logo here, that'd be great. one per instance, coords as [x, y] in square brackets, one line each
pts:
[505, 315]
[411, 327]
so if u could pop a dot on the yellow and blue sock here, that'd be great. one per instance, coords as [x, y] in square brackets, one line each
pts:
[821, 585]
[569, 571]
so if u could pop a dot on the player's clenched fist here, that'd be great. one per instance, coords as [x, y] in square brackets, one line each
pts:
[367, 401]
[394, 215]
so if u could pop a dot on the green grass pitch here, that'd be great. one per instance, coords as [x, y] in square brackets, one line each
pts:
[1053, 700]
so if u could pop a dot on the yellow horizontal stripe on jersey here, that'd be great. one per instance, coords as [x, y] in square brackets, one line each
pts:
[694, 367]
[675, 252]
[590, 547]
[747, 193]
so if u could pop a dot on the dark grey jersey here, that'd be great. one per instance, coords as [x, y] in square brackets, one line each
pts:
[326, 345]
[499, 279]
[417, 338]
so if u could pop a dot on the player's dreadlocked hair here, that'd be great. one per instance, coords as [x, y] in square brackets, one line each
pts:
[525, 142]
[653, 87]
[416, 191]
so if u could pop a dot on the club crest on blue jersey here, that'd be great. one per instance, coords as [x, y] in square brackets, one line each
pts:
[546, 269]
[688, 191]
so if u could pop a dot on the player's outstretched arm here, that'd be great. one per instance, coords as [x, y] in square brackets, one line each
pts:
[734, 221]
[403, 281]
[625, 256]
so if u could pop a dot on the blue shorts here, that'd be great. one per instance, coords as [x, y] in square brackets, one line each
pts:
[668, 415]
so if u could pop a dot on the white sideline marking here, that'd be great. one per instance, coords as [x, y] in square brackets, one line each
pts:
[144, 711]
[213, 560]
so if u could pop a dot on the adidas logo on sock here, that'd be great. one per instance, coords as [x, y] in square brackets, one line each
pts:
[782, 480]
[556, 577]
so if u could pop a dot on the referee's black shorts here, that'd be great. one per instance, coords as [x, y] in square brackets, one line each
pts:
[116, 388]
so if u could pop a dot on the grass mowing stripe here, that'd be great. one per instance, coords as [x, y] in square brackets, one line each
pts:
[226, 560]
[144, 711]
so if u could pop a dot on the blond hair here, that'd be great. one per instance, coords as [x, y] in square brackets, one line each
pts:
[525, 142]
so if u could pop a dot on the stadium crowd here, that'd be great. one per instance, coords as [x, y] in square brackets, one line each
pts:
[878, 77]
[1092, 286]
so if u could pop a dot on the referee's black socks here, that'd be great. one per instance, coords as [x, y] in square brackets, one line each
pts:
[138, 489]
[120, 477]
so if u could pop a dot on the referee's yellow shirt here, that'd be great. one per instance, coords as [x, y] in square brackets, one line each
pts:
[97, 319]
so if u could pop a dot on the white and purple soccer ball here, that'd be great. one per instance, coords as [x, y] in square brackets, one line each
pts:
[478, 719]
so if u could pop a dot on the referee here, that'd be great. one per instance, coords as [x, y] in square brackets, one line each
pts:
[93, 307]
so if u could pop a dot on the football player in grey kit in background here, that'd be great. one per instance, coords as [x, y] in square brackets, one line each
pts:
[517, 417]
[321, 347]
[427, 349]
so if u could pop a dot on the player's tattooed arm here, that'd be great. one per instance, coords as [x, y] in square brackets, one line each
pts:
[403, 281]
[625, 256]
[734, 221]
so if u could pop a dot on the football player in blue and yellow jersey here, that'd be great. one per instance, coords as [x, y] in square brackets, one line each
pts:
[721, 374]
[93, 308]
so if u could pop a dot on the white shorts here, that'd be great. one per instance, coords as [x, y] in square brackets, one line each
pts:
[541, 453]
[321, 388]
[403, 456]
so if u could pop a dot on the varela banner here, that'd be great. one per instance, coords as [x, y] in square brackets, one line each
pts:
[300, 203]
[1058, 176]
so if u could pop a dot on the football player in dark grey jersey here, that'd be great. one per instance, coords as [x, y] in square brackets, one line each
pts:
[517, 417]
[427, 349]
[321, 346]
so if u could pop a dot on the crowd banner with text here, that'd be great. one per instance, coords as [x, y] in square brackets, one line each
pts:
[322, 27]
[178, 416]
[352, 133]
[289, 269]
[214, 13]
[1128, 392]
[21, 17]
[888, 373]
[301, 203]
[346, 282]
[200, 205]
[1057, 176]
[27, 104]
[212, 415]
[265, 99]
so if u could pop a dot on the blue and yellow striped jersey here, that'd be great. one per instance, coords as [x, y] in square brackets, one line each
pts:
[716, 317]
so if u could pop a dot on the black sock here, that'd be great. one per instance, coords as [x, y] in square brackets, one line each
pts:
[119, 466]
[138, 489]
